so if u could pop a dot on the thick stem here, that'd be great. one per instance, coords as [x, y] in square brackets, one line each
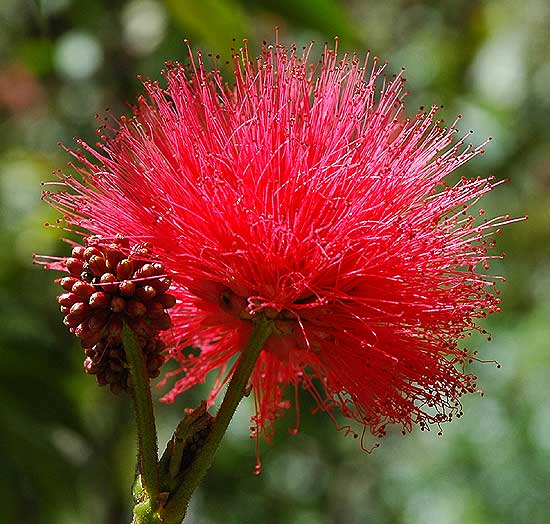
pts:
[145, 420]
[177, 505]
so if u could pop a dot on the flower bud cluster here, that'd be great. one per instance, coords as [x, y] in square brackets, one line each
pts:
[105, 289]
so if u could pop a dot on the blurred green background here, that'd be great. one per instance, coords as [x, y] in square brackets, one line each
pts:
[67, 448]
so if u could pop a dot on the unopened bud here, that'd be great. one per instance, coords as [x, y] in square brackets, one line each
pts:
[124, 269]
[106, 289]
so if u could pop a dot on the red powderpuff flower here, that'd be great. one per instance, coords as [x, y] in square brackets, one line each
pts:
[303, 193]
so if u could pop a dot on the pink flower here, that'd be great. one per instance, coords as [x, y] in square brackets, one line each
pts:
[303, 193]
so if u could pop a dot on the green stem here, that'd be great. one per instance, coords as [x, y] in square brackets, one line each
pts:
[145, 514]
[145, 422]
[176, 507]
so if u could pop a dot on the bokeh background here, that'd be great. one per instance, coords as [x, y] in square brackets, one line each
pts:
[67, 447]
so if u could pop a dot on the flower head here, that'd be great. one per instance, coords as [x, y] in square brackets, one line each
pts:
[105, 287]
[302, 193]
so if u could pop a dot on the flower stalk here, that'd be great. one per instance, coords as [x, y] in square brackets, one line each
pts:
[146, 431]
[176, 507]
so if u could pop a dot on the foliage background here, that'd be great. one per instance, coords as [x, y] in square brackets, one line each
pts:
[66, 447]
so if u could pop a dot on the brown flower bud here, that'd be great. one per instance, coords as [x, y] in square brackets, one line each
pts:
[90, 340]
[79, 310]
[168, 301]
[74, 266]
[97, 265]
[117, 304]
[99, 299]
[92, 251]
[83, 289]
[163, 322]
[125, 269]
[112, 257]
[67, 299]
[98, 319]
[108, 282]
[145, 271]
[127, 288]
[71, 321]
[161, 284]
[90, 366]
[155, 309]
[67, 282]
[135, 308]
[146, 292]
[78, 251]
[83, 330]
